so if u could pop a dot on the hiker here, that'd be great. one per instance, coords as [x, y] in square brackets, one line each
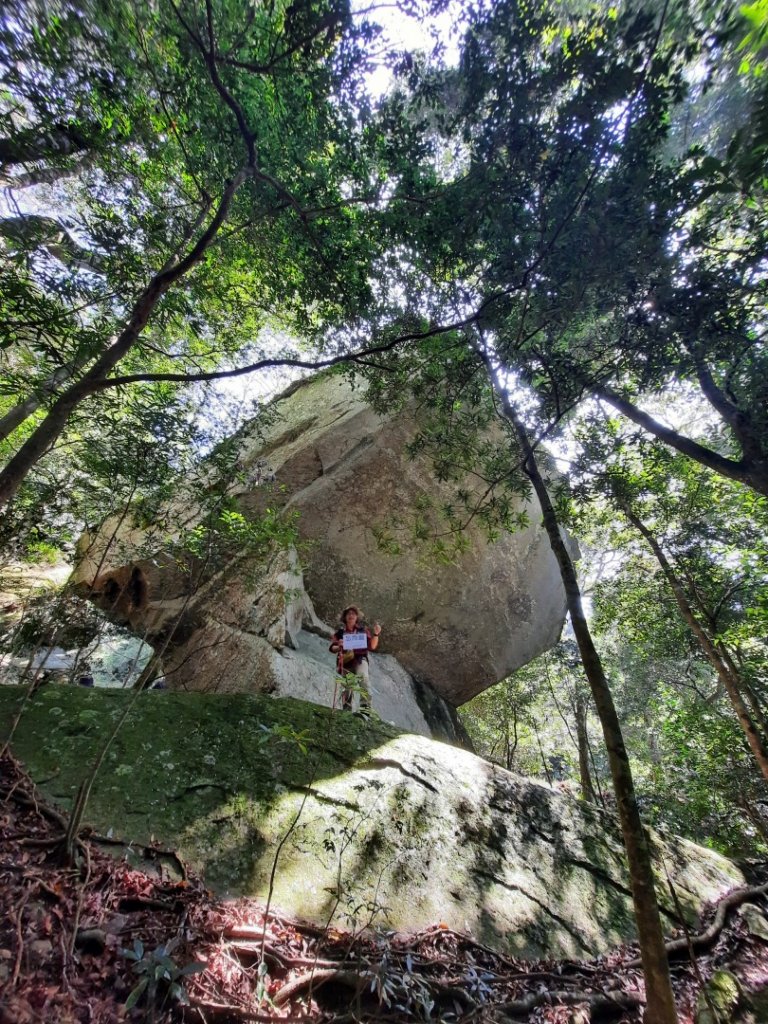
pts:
[353, 655]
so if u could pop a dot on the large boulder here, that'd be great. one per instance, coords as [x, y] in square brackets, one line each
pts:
[365, 825]
[254, 630]
[457, 628]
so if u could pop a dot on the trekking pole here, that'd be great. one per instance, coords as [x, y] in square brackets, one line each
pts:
[339, 665]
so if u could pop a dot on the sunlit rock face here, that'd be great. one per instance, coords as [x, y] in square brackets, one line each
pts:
[453, 629]
[373, 827]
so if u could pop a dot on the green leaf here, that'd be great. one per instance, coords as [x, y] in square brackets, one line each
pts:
[136, 994]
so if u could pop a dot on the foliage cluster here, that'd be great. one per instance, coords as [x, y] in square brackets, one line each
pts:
[560, 237]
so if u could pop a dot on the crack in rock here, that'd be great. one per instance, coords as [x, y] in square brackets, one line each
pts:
[345, 458]
[604, 877]
[511, 887]
[195, 786]
[342, 757]
[599, 873]
[531, 827]
[541, 835]
[386, 762]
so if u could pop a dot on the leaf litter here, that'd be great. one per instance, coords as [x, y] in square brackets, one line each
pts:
[103, 942]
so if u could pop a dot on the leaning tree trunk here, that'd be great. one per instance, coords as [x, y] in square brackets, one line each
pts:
[729, 680]
[46, 434]
[660, 1000]
[751, 697]
[750, 469]
[18, 414]
[24, 409]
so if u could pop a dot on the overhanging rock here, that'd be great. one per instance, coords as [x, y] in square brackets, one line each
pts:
[456, 628]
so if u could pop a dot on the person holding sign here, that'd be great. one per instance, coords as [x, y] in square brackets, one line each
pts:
[351, 643]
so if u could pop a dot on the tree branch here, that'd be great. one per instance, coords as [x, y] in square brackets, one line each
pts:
[303, 364]
[39, 231]
[208, 55]
[58, 415]
[735, 417]
[324, 25]
[48, 175]
[745, 471]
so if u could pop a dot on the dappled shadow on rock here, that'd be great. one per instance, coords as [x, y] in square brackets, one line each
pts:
[350, 823]
[77, 943]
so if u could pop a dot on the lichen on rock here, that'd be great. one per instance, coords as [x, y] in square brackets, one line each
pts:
[372, 825]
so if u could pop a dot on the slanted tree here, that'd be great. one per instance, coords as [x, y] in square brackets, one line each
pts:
[660, 1004]
[240, 190]
[554, 206]
[695, 772]
[708, 553]
[490, 467]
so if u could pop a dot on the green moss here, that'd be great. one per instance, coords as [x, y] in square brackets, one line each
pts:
[367, 824]
[723, 993]
[181, 761]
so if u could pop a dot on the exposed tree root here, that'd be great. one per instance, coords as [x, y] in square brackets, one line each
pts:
[313, 975]
[216, 1010]
[597, 1003]
[314, 979]
[705, 939]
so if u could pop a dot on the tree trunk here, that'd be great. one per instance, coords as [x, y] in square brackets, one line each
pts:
[23, 410]
[752, 699]
[750, 471]
[50, 174]
[660, 1005]
[596, 776]
[58, 416]
[754, 816]
[149, 673]
[60, 140]
[730, 681]
[585, 776]
[512, 747]
[544, 764]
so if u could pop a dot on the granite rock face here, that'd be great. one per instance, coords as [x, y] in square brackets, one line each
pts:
[456, 629]
[379, 827]
[247, 631]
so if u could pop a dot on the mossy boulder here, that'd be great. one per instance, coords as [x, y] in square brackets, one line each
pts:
[369, 825]
[718, 1004]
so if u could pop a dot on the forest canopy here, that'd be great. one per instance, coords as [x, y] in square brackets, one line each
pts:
[550, 221]
[190, 196]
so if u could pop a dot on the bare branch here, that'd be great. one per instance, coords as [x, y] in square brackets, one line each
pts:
[324, 25]
[303, 364]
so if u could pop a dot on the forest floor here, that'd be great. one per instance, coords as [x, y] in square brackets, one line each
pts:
[101, 942]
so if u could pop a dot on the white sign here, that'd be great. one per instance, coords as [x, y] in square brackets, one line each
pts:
[355, 642]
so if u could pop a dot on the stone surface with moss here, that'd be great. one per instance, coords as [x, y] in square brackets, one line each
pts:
[382, 827]
[717, 1004]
